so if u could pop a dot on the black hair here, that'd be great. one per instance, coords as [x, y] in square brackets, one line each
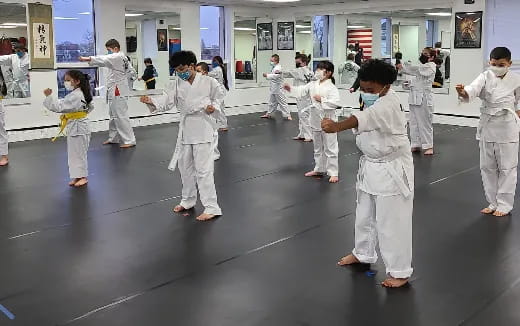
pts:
[112, 43]
[276, 56]
[84, 83]
[218, 59]
[438, 44]
[302, 57]
[398, 56]
[375, 70]
[182, 58]
[500, 53]
[351, 56]
[438, 61]
[148, 60]
[327, 66]
[204, 66]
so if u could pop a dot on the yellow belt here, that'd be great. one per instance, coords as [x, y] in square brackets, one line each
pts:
[149, 80]
[64, 118]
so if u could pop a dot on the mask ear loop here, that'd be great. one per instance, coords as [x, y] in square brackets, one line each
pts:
[384, 91]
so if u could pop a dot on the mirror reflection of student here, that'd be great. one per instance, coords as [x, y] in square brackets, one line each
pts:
[149, 74]
[16, 68]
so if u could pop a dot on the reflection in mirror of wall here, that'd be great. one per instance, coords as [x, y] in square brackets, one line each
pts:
[14, 57]
[151, 38]
[303, 35]
[245, 52]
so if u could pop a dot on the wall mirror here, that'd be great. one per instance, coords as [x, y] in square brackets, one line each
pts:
[154, 36]
[14, 56]
[245, 40]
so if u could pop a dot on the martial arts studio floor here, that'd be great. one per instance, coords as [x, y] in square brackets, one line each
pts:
[114, 254]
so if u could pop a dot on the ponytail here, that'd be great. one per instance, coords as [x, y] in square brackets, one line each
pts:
[84, 83]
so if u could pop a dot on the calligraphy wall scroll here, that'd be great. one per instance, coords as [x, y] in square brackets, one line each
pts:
[41, 38]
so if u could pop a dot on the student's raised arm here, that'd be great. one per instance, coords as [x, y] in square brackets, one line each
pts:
[473, 90]
[100, 60]
[298, 91]
[165, 102]
[68, 104]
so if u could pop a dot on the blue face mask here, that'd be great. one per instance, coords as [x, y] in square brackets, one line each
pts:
[109, 51]
[215, 64]
[20, 54]
[184, 75]
[369, 99]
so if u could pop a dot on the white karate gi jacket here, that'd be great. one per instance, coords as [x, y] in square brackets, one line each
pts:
[118, 72]
[72, 102]
[500, 98]
[276, 80]
[386, 167]
[421, 87]
[191, 100]
[330, 100]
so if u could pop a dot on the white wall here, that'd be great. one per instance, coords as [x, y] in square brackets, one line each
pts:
[110, 23]
[303, 43]
[14, 32]
[244, 45]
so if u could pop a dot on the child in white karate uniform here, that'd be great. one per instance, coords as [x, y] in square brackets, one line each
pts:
[385, 181]
[218, 72]
[120, 127]
[421, 100]
[198, 99]
[203, 68]
[277, 97]
[325, 100]
[499, 90]
[74, 108]
[302, 75]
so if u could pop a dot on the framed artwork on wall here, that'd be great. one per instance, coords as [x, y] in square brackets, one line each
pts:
[162, 40]
[264, 32]
[468, 30]
[285, 36]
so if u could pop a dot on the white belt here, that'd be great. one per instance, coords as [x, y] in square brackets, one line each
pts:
[398, 178]
[178, 145]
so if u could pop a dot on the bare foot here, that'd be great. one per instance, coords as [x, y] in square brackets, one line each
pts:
[108, 142]
[500, 214]
[178, 209]
[307, 140]
[73, 182]
[205, 217]
[394, 282]
[266, 116]
[223, 129]
[429, 151]
[298, 138]
[127, 146]
[81, 182]
[289, 118]
[4, 161]
[348, 260]
[333, 179]
[487, 210]
[313, 174]
[415, 149]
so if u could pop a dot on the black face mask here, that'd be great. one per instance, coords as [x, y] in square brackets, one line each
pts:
[298, 65]
[423, 59]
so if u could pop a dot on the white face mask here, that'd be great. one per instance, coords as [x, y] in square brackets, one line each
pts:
[498, 71]
[68, 85]
[319, 74]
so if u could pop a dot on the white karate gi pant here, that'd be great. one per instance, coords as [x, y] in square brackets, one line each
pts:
[4, 143]
[498, 167]
[77, 148]
[278, 101]
[386, 220]
[326, 152]
[196, 168]
[421, 125]
[216, 152]
[120, 128]
[222, 119]
[304, 123]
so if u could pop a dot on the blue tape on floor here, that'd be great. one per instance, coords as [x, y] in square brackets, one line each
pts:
[6, 312]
